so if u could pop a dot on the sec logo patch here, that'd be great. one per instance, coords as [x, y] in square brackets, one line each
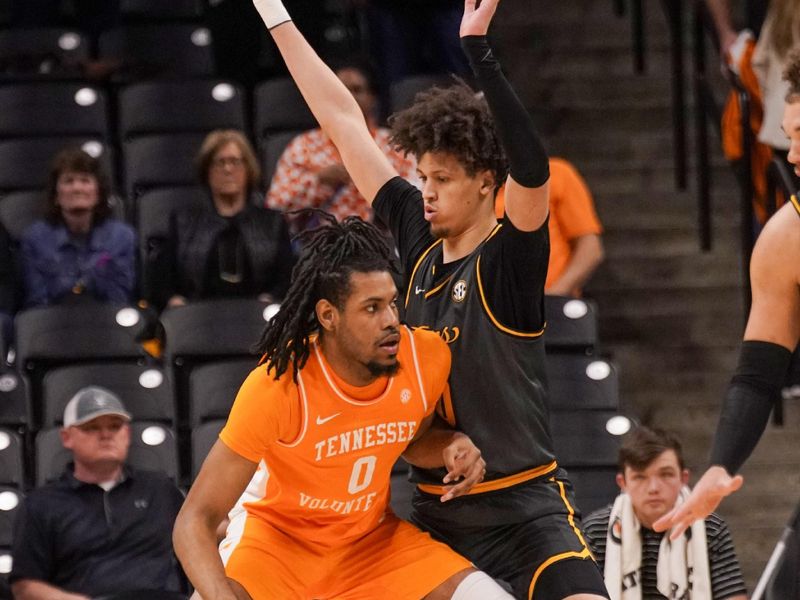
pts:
[459, 291]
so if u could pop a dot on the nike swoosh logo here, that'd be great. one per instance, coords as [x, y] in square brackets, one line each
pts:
[321, 421]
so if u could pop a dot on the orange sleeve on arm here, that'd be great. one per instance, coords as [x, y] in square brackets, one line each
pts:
[264, 412]
[434, 357]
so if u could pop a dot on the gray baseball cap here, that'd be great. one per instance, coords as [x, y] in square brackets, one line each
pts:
[92, 402]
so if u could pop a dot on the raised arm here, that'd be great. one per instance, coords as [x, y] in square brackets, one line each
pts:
[330, 101]
[527, 191]
[222, 479]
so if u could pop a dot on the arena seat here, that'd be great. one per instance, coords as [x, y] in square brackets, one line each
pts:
[156, 10]
[159, 161]
[203, 439]
[10, 500]
[26, 162]
[49, 109]
[30, 52]
[272, 147]
[15, 403]
[145, 390]
[158, 107]
[12, 464]
[403, 92]
[279, 107]
[595, 487]
[162, 50]
[580, 382]
[154, 208]
[19, 210]
[581, 440]
[571, 324]
[213, 388]
[153, 447]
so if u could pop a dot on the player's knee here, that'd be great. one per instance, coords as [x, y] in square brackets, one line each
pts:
[470, 585]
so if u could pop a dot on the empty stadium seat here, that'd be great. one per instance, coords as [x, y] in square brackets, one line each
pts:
[153, 447]
[403, 92]
[213, 388]
[10, 500]
[19, 210]
[280, 107]
[581, 440]
[15, 404]
[152, 10]
[595, 487]
[12, 465]
[213, 329]
[26, 162]
[203, 439]
[145, 390]
[39, 51]
[156, 107]
[571, 324]
[159, 50]
[160, 161]
[272, 148]
[53, 109]
[154, 207]
[580, 382]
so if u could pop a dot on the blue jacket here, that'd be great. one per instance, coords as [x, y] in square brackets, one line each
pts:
[55, 266]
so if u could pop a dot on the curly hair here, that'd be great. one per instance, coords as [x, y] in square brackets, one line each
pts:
[792, 74]
[331, 253]
[75, 160]
[455, 121]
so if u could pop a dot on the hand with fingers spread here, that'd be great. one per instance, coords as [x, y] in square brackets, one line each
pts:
[464, 465]
[477, 17]
[714, 485]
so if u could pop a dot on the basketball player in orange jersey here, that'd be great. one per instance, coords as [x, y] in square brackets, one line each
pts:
[342, 392]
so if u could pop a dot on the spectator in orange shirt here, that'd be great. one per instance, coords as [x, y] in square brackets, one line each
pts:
[310, 173]
[576, 248]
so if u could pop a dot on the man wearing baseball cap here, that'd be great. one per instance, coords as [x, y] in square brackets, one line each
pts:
[103, 527]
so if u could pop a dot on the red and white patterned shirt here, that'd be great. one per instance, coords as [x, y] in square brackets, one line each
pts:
[295, 184]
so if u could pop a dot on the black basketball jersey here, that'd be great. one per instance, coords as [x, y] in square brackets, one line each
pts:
[795, 203]
[497, 388]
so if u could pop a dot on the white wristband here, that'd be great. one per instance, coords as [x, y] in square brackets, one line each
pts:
[272, 12]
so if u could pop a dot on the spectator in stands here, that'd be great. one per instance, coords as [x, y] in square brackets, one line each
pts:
[415, 37]
[310, 173]
[103, 527]
[78, 250]
[643, 563]
[228, 245]
[576, 246]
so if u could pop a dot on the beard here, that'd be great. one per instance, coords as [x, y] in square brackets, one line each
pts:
[378, 370]
[439, 232]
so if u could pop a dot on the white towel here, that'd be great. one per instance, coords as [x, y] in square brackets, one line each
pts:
[682, 564]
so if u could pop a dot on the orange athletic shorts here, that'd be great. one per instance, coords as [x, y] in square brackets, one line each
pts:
[396, 560]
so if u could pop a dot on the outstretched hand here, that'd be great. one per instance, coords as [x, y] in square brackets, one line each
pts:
[476, 18]
[464, 465]
[714, 485]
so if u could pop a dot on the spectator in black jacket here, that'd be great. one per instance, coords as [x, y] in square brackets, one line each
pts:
[227, 246]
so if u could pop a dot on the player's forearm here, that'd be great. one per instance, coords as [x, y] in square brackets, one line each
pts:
[327, 97]
[427, 451]
[195, 542]
[526, 154]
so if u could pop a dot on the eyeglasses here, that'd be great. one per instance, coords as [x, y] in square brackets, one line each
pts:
[227, 161]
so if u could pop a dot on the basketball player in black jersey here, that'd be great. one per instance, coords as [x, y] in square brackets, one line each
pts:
[772, 332]
[481, 286]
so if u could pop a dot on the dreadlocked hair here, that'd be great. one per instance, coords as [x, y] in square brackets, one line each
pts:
[331, 253]
[454, 121]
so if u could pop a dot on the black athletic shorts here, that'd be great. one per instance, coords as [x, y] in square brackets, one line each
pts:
[528, 535]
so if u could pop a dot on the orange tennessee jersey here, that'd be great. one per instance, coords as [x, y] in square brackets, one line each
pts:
[329, 446]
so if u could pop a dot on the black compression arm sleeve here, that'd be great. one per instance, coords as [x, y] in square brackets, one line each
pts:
[748, 403]
[526, 154]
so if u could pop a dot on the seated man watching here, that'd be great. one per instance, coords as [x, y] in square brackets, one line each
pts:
[640, 563]
[103, 527]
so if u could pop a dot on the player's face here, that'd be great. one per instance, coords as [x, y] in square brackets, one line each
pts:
[101, 441]
[791, 125]
[228, 175]
[77, 192]
[655, 489]
[367, 326]
[453, 200]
